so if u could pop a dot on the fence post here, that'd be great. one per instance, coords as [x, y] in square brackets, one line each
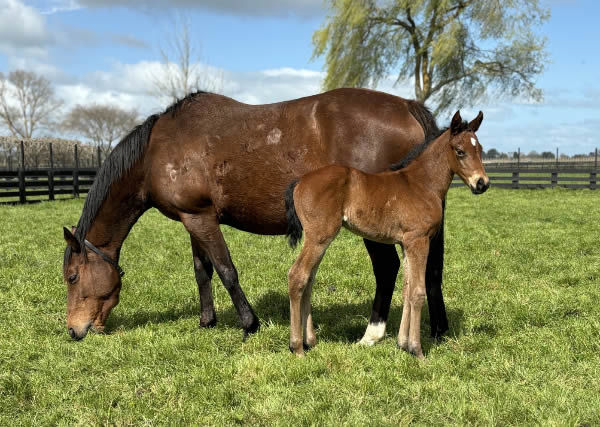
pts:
[22, 195]
[515, 179]
[76, 173]
[593, 180]
[596, 160]
[556, 157]
[51, 173]
[554, 179]
[518, 157]
[99, 158]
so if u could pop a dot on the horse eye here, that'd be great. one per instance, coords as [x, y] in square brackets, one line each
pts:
[460, 153]
[72, 278]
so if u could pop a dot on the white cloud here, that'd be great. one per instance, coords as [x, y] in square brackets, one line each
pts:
[301, 8]
[22, 28]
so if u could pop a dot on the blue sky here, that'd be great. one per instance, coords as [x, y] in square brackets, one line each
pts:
[102, 51]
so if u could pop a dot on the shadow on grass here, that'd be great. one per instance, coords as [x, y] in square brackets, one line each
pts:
[344, 322]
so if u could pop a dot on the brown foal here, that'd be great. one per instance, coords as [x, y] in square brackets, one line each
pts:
[402, 205]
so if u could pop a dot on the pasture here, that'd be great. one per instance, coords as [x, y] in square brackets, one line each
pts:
[521, 285]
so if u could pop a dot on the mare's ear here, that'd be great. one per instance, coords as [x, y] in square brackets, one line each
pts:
[474, 125]
[456, 123]
[71, 240]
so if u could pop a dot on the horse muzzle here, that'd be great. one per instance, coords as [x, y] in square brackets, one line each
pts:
[79, 333]
[480, 186]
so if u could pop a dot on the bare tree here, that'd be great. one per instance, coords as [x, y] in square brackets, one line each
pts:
[181, 70]
[27, 102]
[103, 125]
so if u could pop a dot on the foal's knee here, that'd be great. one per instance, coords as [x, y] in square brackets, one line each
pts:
[229, 277]
[297, 280]
[417, 297]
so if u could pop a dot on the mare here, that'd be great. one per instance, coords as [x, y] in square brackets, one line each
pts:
[403, 205]
[210, 160]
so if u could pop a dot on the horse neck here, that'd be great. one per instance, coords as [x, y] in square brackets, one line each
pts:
[119, 212]
[432, 167]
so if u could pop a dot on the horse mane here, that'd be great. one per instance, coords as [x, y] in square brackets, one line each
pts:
[176, 107]
[432, 132]
[425, 118]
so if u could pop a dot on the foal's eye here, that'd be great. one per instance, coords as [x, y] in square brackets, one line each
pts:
[72, 278]
[460, 153]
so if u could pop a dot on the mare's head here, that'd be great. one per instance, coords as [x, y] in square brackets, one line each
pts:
[465, 153]
[93, 286]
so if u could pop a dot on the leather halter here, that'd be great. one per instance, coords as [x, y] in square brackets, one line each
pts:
[105, 258]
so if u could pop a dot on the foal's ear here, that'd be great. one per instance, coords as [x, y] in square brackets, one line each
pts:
[456, 123]
[71, 240]
[474, 125]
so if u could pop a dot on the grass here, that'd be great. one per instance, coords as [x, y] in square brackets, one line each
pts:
[521, 286]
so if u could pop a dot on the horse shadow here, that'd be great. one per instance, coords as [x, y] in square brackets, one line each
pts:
[338, 322]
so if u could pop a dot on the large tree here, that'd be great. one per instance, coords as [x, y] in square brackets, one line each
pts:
[103, 125]
[27, 103]
[457, 51]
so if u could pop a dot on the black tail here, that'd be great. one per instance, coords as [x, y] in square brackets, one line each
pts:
[294, 228]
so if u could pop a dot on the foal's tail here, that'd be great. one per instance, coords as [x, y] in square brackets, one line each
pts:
[294, 228]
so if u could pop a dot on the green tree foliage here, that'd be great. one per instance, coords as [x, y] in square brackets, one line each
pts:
[457, 51]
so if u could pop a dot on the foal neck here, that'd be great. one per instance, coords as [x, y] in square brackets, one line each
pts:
[432, 168]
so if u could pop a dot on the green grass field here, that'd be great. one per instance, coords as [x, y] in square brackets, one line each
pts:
[522, 289]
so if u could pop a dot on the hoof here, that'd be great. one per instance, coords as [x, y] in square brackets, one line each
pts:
[438, 331]
[210, 323]
[253, 328]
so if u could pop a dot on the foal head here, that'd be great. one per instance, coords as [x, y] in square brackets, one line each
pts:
[465, 153]
[93, 287]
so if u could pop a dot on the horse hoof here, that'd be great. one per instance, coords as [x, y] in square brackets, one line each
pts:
[211, 323]
[253, 328]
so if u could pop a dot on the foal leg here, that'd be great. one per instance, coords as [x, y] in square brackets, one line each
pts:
[433, 282]
[386, 263]
[310, 338]
[300, 278]
[416, 260]
[204, 229]
[203, 270]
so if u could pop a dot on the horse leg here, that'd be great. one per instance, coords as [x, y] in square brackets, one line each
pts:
[310, 338]
[386, 264]
[203, 270]
[300, 277]
[204, 229]
[433, 282]
[416, 260]
[405, 322]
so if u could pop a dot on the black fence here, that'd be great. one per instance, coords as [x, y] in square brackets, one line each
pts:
[27, 184]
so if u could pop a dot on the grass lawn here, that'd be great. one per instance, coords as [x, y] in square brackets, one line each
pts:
[522, 289]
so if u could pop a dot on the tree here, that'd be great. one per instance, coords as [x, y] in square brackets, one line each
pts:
[454, 50]
[101, 124]
[548, 155]
[182, 73]
[492, 154]
[27, 103]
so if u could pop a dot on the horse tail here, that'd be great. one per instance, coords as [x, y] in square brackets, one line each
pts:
[294, 226]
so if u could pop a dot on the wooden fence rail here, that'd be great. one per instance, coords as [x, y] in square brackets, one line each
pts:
[28, 186]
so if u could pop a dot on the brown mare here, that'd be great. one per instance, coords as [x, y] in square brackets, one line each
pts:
[403, 206]
[210, 160]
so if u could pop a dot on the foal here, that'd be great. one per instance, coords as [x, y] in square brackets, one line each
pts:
[402, 205]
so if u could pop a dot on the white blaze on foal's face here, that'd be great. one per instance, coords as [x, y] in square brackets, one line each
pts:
[473, 141]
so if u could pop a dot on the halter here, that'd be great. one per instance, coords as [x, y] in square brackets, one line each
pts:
[105, 258]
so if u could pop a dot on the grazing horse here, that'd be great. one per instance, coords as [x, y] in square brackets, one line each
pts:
[210, 160]
[403, 206]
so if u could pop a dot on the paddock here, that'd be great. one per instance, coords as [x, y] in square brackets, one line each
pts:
[522, 290]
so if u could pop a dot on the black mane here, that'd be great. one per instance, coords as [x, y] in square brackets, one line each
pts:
[431, 134]
[174, 108]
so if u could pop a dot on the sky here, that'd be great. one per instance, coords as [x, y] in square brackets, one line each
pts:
[260, 51]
